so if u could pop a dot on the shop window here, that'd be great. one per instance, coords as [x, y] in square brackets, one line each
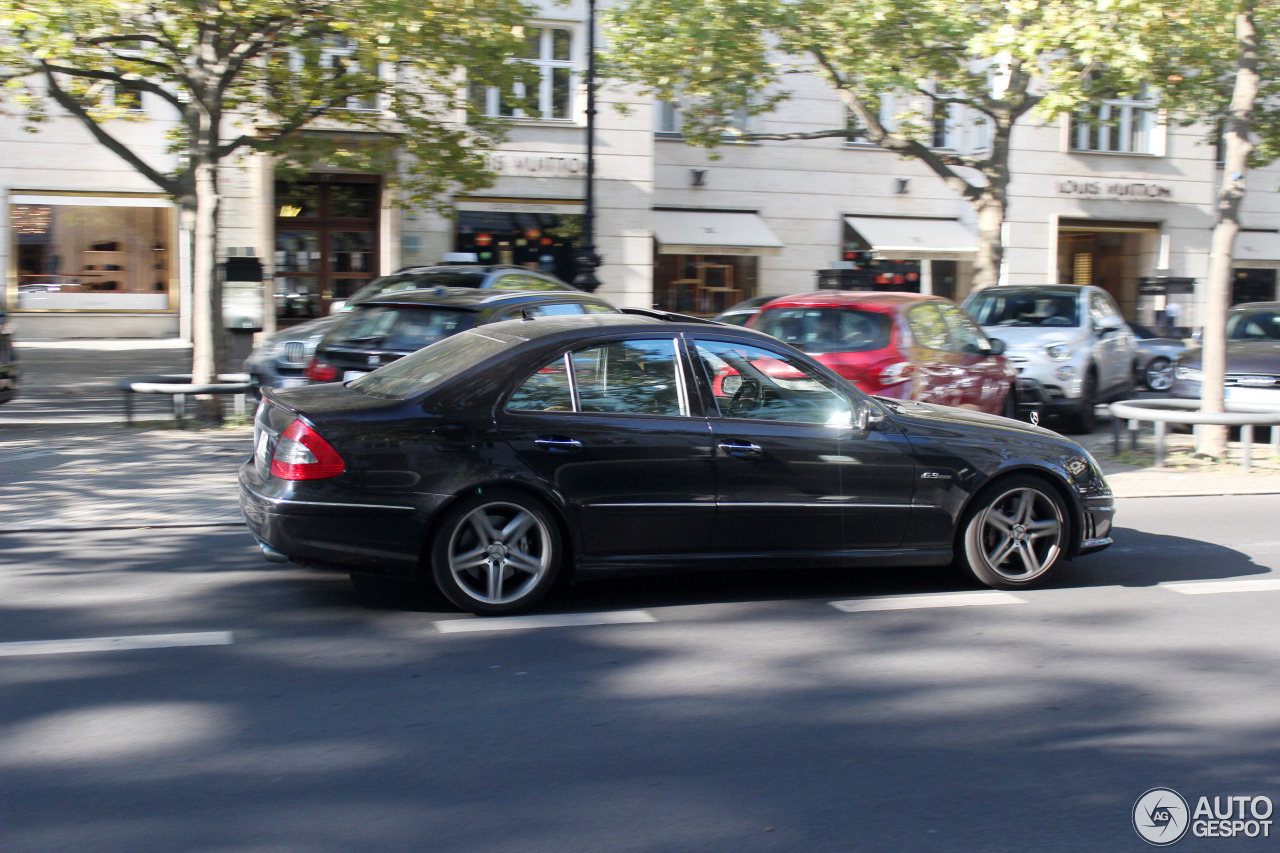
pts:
[546, 91]
[1248, 285]
[703, 285]
[91, 253]
[538, 241]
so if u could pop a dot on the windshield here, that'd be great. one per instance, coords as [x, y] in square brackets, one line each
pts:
[429, 367]
[827, 329]
[1254, 326]
[997, 306]
[398, 327]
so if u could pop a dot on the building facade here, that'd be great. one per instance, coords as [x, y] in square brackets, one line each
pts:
[1120, 198]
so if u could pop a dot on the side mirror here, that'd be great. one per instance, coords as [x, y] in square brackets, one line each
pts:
[997, 347]
[867, 416]
[1109, 325]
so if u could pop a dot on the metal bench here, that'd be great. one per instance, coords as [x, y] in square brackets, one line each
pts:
[179, 385]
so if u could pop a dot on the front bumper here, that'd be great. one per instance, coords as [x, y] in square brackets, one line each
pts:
[380, 539]
[1098, 513]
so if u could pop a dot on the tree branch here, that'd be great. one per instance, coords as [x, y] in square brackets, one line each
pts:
[136, 84]
[121, 150]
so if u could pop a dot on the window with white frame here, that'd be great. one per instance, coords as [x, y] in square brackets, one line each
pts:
[546, 91]
[1119, 125]
[339, 52]
[670, 123]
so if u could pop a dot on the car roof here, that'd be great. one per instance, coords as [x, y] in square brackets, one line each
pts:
[639, 320]
[1256, 306]
[472, 299]
[1035, 288]
[874, 300]
[478, 270]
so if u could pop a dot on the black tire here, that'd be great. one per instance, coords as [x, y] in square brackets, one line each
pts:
[496, 552]
[1159, 374]
[1081, 421]
[1010, 408]
[1014, 533]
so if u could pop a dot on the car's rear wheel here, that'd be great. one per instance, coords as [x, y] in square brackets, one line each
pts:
[1014, 534]
[1159, 374]
[496, 552]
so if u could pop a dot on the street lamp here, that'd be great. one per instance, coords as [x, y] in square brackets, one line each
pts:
[587, 259]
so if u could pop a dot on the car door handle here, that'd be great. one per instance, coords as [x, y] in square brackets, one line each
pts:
[735, 449]
[558, 445]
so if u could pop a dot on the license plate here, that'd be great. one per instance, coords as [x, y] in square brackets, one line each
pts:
[353, 374]
[1253, 395]
[293, 382]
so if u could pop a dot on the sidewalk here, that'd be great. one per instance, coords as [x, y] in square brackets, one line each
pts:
[68, 460]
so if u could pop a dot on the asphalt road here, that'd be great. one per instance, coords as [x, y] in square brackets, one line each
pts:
[280, 710]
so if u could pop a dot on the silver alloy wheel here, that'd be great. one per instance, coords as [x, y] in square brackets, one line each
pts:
[1159, 374]
[499, 552]
[1020, 534]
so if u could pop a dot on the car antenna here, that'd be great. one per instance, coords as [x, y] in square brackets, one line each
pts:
[525, 315]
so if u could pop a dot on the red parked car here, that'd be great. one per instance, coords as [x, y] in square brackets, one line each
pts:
[901, 345]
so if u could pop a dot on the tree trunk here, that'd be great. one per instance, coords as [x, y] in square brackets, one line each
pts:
[992, 208]
[1213, 439]
[208, 350]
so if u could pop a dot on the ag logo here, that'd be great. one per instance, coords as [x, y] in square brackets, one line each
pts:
[1161, 817]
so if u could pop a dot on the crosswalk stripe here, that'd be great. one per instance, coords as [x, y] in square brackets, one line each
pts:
[1215, 587]
[115, 644]
[552, 620]
[915, 602]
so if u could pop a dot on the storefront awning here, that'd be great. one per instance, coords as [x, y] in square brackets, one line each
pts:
[701, 232]
[1257, 246]
[894, 238]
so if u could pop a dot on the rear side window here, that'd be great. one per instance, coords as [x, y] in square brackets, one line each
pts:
[398, 327]
[827, 329]
[428, 367]
[639, 377]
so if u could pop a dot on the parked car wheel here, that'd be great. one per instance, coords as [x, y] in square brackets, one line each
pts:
[496, 552]
[1159, 374]
[1014, 533]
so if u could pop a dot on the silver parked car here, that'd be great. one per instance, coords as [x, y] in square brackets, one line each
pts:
[1153, 362]
[1071, 347]
[281, 360]
[1253, 358]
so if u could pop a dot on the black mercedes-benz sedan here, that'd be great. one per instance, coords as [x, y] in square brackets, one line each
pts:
[498, 459]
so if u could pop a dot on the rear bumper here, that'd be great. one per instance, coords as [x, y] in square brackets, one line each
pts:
[381, 539]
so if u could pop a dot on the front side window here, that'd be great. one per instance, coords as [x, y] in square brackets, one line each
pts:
[927, 326]
[545, 91]
[1121, 126]
[638, 377]
[963, 334]
[750, 382]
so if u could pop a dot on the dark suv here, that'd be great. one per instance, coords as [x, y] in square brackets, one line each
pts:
[280, 360]
[384, 328]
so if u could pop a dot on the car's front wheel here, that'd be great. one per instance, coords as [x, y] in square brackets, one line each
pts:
[1014, 533]
[1159, 374]
[496, 552]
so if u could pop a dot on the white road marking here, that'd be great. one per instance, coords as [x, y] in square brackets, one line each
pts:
[915, 602]
[555, 620]
[115, 644]
[1215, 587]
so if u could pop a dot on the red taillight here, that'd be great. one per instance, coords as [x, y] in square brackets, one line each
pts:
[899, 371]
[301, 454]
[318, 371]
